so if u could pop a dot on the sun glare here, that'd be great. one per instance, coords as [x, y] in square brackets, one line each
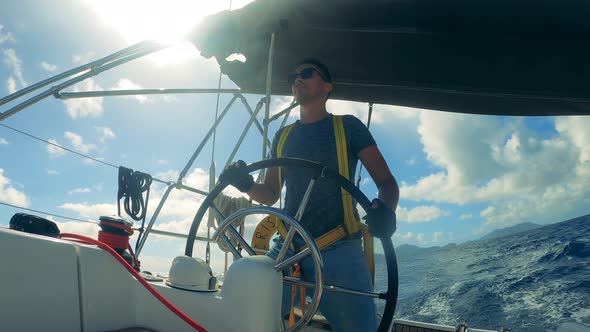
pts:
[167, 21]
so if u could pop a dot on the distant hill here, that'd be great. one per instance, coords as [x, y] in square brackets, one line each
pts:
[525, 226]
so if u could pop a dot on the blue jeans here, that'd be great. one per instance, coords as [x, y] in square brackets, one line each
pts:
[344, 266]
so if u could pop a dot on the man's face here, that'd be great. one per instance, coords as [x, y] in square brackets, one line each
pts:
[310, 89]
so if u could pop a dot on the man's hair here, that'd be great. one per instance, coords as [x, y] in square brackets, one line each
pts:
[322, 68]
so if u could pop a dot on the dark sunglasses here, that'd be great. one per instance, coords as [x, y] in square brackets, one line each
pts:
[305, 74]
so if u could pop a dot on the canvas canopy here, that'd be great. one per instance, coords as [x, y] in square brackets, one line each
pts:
[510, 57]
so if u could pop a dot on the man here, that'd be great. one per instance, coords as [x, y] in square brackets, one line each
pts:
[313, 138]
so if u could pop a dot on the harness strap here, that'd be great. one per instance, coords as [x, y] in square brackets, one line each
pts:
[351, 225]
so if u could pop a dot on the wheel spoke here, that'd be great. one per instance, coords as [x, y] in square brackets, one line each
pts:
[216, 210]
[305, 200]
[292, 260]
[286, 245]
[230, 246]
[240, 239]
[332, 288]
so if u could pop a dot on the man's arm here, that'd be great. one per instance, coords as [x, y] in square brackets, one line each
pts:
[269, 191]
[377, 167]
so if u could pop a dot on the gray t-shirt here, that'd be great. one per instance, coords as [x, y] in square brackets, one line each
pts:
[316, 142]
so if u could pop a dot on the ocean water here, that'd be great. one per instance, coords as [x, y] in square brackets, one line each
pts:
[531, 281]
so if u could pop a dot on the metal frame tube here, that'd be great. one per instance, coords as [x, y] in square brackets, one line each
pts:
[76, 70]
[136, 92]
[332, 288]
[92, 72]
[241, 139]
[153, 220]
[283, 112]
[268, 92]
[205, 139]
[258, 125]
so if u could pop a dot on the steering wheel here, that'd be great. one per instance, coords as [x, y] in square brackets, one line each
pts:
[390, 296]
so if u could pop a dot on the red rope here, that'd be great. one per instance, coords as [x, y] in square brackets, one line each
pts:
[150, 288]
[114, 240]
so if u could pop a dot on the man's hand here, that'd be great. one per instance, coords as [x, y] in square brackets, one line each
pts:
[236, 175]
[381, 220]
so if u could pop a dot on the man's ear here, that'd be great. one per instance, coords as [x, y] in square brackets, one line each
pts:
[329, 88]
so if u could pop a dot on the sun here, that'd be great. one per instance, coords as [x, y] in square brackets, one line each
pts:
[163, 20]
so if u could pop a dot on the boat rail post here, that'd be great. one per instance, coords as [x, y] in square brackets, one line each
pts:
[268, 92]
[244, 132]
[205, 139]
[153, 220]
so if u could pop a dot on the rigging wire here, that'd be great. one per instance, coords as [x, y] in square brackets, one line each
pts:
[358, 179]
[70, 150]
[47, 213]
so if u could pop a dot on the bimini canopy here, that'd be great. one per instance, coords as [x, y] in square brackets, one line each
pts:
[511, 57]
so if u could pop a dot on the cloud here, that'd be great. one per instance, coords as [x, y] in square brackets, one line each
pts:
[53, 150]
[85, 107]
[79, 191]
[80, 59]
[90, 211]
[442, 237]
[48, 67]
[78, 142]
[105, 133]
[3, 141]
[162, 162]
[5, 36]
[381, 113]
[52, 172]
[525, 175]
[420, 214]
[465, 216]
[11, 85]
[81, 228]
[12, 59]
[127, 84]
[9, 194]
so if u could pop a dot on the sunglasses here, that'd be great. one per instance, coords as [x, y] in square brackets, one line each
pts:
[305, 74]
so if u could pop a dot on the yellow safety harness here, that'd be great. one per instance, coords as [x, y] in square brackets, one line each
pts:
[352, 225]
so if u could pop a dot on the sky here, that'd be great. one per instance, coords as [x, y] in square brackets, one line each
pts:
[460, 176]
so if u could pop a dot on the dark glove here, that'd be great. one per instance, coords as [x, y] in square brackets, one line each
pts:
[381, 220]
[236, 175]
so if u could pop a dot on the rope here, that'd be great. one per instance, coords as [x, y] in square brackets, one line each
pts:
[132, 184]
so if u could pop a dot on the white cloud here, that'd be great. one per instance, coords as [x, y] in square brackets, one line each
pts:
[11, 85]
[52, 172]
[381, 113]
[3, 141]
[442, 237]
[465, 216]
[9, 194]
[420, 214]
[90, 211]
[81, 228]
[80, 59]
[501, 161]
[78, 142]
[15, 62]
[85, 107]
[79, 191]
[127, 84]
[48, 67]
[105, 133]
[5, 36]
[54, 151]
